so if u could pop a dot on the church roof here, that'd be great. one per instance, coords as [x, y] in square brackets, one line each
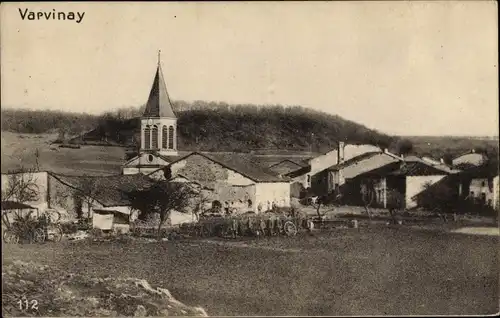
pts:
[159, 104]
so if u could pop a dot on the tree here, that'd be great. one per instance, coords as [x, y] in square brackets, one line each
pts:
[85, 193]
[404, 146]
[395, 202]
[162, 198]
[368, 195]
[37, 159]
[20, 187]
[438, 197]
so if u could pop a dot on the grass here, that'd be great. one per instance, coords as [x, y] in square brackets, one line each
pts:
[19, 150]
[375, 270]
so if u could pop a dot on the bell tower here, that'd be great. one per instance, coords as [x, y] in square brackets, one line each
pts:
[159, 123]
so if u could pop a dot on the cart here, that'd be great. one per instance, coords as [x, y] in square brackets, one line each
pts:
[27, 228]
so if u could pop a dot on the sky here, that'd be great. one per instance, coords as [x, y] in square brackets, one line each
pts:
[406, 68]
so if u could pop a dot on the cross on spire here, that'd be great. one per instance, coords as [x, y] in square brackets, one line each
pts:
[159, 52]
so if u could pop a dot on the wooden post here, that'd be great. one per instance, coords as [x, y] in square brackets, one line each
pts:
[384, 191]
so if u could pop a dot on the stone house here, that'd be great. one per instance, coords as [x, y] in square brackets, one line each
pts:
[409, 177]
[231, 180]
[103, 193]
[74, 196]
[481, 185]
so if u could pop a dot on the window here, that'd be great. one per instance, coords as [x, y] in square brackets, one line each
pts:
[147, 138]
[483, 198]
[249, 203]
[164, 138]
[216, 206]
[155, 137]
[150, 158]
[483, 184]
[171, 137]
[308, 179]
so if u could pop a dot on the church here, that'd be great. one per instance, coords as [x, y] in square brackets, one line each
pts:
[231, 179]
[158, 131]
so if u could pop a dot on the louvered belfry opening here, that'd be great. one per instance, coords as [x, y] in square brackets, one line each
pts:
[171, 137]
[164, 138]
[155, 137]
[147, 137]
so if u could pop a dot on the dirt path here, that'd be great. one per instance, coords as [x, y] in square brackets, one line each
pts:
[494, 231]
[245, 245]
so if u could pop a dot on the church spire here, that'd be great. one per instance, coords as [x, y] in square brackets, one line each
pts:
[159, 104]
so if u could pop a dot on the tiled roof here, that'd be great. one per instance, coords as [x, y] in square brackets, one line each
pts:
[242, 164]
[285, 166]
[418, 168]
[354, 160]
[299, 172]
[442, 167]
[107, 190]
[159, 104]
[412, 168]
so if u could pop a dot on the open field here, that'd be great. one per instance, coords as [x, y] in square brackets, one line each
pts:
[376, 270]
[19, 149]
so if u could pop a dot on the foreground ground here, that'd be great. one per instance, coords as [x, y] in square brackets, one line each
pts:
[374, 270]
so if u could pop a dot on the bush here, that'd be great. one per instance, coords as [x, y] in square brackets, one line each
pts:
[69, 228]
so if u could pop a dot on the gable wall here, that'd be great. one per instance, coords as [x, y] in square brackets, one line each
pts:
[199, 168]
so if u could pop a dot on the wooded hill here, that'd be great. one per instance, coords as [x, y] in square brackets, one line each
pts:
[207, 126]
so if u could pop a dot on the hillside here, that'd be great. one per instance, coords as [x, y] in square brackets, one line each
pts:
[209, 127]
[272, 133]
[447, 147]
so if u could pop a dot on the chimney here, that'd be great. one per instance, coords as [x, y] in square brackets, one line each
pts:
[473, 150]
[386, 150]
[340, 152]
[441, 160]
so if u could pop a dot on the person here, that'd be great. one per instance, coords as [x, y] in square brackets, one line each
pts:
[234, 228]
[262, 226]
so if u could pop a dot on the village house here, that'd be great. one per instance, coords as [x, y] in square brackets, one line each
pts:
[480, 185]
[324, 173]
[470, 158]
[158, 131]
[231, 180]
[408, 177]
[81, 196]
[334, 177]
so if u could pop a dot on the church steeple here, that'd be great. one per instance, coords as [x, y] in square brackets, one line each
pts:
[159, 104]
[159, 123]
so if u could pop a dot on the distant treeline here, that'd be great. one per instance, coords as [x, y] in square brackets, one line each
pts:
[240, 127]
[46, 121]
[220, 126]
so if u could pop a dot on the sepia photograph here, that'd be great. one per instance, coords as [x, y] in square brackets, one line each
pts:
[258, 158]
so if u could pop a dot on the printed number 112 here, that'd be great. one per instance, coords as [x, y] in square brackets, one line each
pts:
[25, 304]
